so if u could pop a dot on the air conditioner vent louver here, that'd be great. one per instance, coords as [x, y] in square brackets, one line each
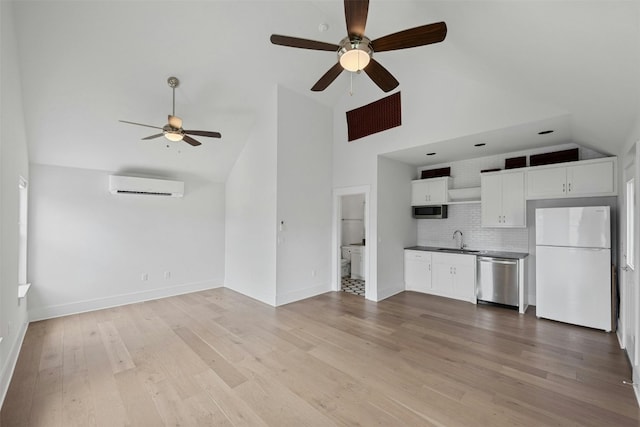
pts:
[143, 192]
[145, 186]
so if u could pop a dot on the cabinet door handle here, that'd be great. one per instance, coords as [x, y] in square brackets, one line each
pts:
[563, 187]
[429, 267]
[569, 187]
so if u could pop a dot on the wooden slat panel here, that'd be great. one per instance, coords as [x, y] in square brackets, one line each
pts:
[376, 117]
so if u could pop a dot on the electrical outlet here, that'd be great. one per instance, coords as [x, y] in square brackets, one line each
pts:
[167, 275]
[144, 277]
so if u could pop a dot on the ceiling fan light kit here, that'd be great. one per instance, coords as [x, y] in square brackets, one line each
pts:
[173, 130]
[354, 55]
[355, 52]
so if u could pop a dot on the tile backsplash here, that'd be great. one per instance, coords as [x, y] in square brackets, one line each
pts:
[467, 218]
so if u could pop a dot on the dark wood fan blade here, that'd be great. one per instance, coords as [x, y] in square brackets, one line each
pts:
[355, 13]
[191, 141]
[380, 76]
[328, 78]
[413, 37]
[140, 124]
[204, 133]
[158, 135]
[303, 43]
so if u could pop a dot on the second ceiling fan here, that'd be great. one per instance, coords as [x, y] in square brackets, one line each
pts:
[355, 52]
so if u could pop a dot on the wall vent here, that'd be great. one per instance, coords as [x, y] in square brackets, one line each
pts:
[145, 186]
[376, 117]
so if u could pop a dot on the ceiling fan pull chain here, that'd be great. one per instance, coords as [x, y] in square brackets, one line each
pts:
[351, 89]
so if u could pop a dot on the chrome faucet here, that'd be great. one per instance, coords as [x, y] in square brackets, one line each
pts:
[461, 238]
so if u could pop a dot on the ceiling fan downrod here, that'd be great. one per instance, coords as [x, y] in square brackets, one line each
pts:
[173, 84]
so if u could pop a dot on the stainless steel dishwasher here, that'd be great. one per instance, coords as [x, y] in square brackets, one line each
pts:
[497, 280]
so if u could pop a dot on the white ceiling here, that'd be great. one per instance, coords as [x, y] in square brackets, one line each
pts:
[85, 65]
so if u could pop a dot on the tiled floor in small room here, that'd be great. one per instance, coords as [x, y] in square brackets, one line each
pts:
[352, 286]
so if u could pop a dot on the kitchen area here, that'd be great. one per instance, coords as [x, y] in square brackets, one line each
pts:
[480, 229]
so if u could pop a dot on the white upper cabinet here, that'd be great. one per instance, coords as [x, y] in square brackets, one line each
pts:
[503, 202]
[591, 179]
[432, 191]
[587, 178]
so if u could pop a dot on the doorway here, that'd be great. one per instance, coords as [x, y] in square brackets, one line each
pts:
[353, 244]
[350, 251]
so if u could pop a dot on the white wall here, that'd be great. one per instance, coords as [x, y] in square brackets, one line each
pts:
[88, 248]
[14, 163]
[396, 226]
[352, 218]
[304, 197]
[250, 246]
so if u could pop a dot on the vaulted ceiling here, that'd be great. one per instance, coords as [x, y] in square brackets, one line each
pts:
[86, 65]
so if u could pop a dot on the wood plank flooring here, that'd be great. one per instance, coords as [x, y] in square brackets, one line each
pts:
[221, 359]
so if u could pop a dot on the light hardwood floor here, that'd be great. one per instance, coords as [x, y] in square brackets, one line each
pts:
[219, 358]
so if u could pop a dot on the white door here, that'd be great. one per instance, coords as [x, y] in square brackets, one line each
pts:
[491, 200]
[419, 192]
[590, 179]
[514, 207]
[573, 285]
[586, 227]
[417, 271]
[546, 183]
[629, 304]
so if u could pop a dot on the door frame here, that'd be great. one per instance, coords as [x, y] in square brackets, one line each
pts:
[336, 240]
[630, 308]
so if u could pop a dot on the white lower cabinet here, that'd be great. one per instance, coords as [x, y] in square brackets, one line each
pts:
[454, 276]
[417, 271]
[357, 262]
[444, 274]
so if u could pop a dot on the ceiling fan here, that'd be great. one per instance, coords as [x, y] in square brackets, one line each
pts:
[173, 130]
[355, 52]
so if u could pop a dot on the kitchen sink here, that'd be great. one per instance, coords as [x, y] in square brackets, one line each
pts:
[459, 251]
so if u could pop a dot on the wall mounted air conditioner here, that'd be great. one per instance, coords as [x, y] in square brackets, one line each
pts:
[147, 186]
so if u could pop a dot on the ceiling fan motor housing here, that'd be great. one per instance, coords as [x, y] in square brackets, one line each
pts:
[355, 53]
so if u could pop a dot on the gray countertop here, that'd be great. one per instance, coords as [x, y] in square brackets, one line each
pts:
[492, 254]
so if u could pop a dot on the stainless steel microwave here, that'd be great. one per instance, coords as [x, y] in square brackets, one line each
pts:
[429, 212]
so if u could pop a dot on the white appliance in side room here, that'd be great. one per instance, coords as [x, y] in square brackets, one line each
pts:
[573, 265]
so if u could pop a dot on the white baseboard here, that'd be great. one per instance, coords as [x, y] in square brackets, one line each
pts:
[118, 300]
[249, 293]
[635, 377]
[301, 294]
[12, 360]
[389, 292]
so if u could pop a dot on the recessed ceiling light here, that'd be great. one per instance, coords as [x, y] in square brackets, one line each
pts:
[431, 154]
[481, 144]
[544, 132]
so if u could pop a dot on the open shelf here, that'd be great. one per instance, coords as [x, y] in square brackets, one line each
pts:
[459, 196]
